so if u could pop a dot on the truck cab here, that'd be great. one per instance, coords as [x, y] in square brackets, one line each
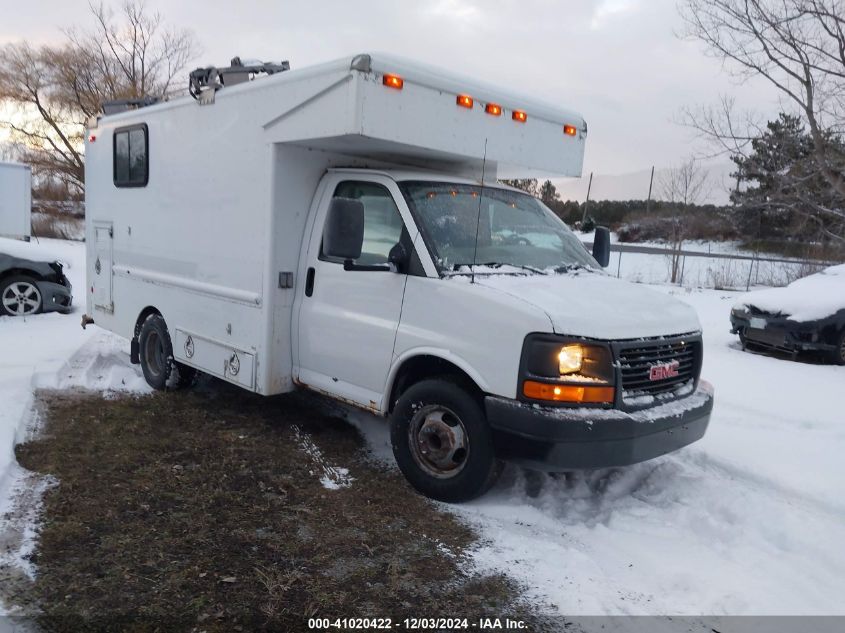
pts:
[471, 316]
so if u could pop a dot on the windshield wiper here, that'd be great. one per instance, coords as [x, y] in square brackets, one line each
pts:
[566, 268]
[530, 269]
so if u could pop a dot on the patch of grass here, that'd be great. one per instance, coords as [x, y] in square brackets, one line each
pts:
[198, 510]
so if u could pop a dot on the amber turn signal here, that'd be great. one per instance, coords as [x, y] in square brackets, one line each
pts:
[567, 393]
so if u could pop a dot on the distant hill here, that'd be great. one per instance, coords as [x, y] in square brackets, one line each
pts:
[634, 185]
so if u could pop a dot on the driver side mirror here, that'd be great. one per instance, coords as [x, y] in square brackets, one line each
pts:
[343, 233]
[601, 246]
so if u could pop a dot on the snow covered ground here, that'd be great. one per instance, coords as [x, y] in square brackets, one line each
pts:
[42, 352]
[703, 272]
[750, 520]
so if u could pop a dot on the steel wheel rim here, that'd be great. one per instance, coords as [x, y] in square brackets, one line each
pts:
[439, 441]
[21, 298]
[154, 353]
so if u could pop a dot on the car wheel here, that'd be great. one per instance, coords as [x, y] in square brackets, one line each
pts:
[19, 296]
[442, 442]
[155, 353]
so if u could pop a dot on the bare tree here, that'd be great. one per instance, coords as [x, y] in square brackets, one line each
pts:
[51, 91]
[724, 129]
[796, 45]
[681, 186]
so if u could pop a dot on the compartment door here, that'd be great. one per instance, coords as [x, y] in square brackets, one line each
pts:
[102, 268]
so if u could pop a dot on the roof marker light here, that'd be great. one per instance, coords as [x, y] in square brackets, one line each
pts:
[465, 101]
[393, 81]
[519, 115]
[570, 130]
[493, 108]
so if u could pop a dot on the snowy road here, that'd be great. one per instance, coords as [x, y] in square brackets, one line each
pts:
[750, 520]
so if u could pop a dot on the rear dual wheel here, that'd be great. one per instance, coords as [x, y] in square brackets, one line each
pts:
[155, 351]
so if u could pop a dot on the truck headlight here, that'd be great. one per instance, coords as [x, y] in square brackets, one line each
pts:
[555, 368]
[570, 359]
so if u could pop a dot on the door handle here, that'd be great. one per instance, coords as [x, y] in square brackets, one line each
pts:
[309, 282]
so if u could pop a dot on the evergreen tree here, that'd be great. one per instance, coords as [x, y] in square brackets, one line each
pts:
[548, 193]
[528, 185]
[785, 194]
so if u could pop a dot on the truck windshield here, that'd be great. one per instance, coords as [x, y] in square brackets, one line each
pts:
[514, 229]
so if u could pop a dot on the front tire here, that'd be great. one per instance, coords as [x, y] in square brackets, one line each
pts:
[442, 442]
[155, 353]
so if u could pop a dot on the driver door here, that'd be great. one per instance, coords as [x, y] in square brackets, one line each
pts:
[348, 318]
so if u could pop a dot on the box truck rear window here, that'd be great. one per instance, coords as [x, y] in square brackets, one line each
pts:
[131, 158]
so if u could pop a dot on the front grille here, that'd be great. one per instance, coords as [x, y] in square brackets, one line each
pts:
[637, 359]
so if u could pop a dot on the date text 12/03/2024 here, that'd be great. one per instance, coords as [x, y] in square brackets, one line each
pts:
[417, 624]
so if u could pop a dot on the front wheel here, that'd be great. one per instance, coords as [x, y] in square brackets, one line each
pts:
[442, 442]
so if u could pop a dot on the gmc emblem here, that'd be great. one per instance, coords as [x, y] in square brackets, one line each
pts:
[661, 371]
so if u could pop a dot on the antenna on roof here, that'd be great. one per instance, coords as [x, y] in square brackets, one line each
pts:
[478, 219]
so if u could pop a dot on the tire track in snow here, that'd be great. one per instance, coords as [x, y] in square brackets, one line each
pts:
[332, 477]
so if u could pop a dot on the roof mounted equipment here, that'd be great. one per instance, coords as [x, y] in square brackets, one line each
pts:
[122, 105]
[204, 82]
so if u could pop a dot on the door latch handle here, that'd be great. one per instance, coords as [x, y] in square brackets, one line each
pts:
[309, 282]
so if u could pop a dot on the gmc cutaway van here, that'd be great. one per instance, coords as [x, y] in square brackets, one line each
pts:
[341, 228]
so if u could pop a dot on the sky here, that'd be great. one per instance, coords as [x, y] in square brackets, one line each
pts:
[620, 63]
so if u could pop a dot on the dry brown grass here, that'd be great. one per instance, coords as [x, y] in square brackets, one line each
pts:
[178, 511]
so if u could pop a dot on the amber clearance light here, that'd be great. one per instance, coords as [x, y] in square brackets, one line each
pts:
[393, 81]
[465, 101]
[493, 108]
[570, 130]
[567, 393]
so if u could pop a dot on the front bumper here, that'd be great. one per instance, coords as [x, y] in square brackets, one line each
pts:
[559, 439]
[780, 335]
[55, 297]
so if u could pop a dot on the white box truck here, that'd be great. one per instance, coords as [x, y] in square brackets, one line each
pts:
[15, 200]
[341, 228]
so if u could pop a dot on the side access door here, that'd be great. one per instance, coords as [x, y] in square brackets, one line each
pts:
[102, 281]
[347, 319]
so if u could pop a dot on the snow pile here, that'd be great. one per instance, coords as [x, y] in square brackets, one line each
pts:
[815, 297]
[102, 364]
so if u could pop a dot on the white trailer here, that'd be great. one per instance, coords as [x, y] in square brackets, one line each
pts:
[340, 228]
[15, 200]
